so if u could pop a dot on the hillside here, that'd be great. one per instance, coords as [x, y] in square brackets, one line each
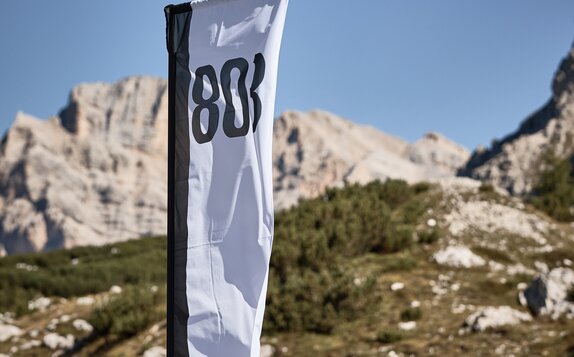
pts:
[451, 268]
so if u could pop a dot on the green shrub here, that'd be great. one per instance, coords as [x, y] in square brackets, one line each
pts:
[97, 269]
[493, 254]
[316, 301]
[554, 189]
[421, 187]
[389, 336]
[396, 262]
[411, 314]
[310, 285]
[128, 313]
[428, 236]
[486, 188]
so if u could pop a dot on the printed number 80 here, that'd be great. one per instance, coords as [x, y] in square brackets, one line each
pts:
[210, 104]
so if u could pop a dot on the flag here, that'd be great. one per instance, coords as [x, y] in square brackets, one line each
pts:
[223, 57]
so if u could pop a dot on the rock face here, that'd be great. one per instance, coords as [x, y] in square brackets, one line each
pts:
[317, 150]
[512, 162]
[97, 172]
[547, 294]
[93, 175]
[492, 317]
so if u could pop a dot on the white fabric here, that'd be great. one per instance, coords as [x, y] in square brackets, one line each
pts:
[230, 207]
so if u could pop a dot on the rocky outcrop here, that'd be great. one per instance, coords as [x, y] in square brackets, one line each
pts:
[312, 151]
[547, 294]
[514, 161]
[493, 317]
[93, 175]
[458, 256]
[8, 331]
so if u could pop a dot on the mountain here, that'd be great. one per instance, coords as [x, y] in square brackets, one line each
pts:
[512, 162]
[96, 173]
[312, 151]
[92, 175]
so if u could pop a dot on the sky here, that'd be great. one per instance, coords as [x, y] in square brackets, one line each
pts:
[471, 70]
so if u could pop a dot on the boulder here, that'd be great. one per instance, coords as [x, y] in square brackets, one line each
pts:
[54, 341]
[492, 317]
[8, 331]
[458, 256]
[156, 351]
[547, 293]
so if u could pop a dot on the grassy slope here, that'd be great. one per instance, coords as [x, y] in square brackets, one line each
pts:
[141, 264]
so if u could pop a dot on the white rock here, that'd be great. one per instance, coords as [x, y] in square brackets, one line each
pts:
[493, 217]
[408, 326]
[65, 318]
[157, 351]
[7, 317]
[397, 286]
[9, 331]
[54, 341]
[567, 262]
[82, 325]
[541, 267]
[458, 256]
[496, 266]
[115, 289]
[30, 344]
[431, 222]
[415, 303]
[40, 303]
[27, 267]
[494, 317]
[267, 351]
[518, 269]
[85, 301]
[547, 294]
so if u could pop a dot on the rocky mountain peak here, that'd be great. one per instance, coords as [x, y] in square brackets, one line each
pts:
[93, 175]
[316, 150]
[124, 113]
[512, 163]
[563, 85]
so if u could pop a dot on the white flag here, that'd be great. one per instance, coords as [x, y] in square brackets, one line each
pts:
[223, 72]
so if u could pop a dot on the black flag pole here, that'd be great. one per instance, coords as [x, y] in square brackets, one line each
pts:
[170, 193]
[178, 19]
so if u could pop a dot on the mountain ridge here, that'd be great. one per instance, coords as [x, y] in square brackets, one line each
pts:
[512, 162]
[96, 173]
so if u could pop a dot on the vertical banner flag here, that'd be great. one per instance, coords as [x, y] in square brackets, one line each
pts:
[223, 57]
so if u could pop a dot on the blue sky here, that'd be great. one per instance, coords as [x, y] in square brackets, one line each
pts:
[469, 69]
